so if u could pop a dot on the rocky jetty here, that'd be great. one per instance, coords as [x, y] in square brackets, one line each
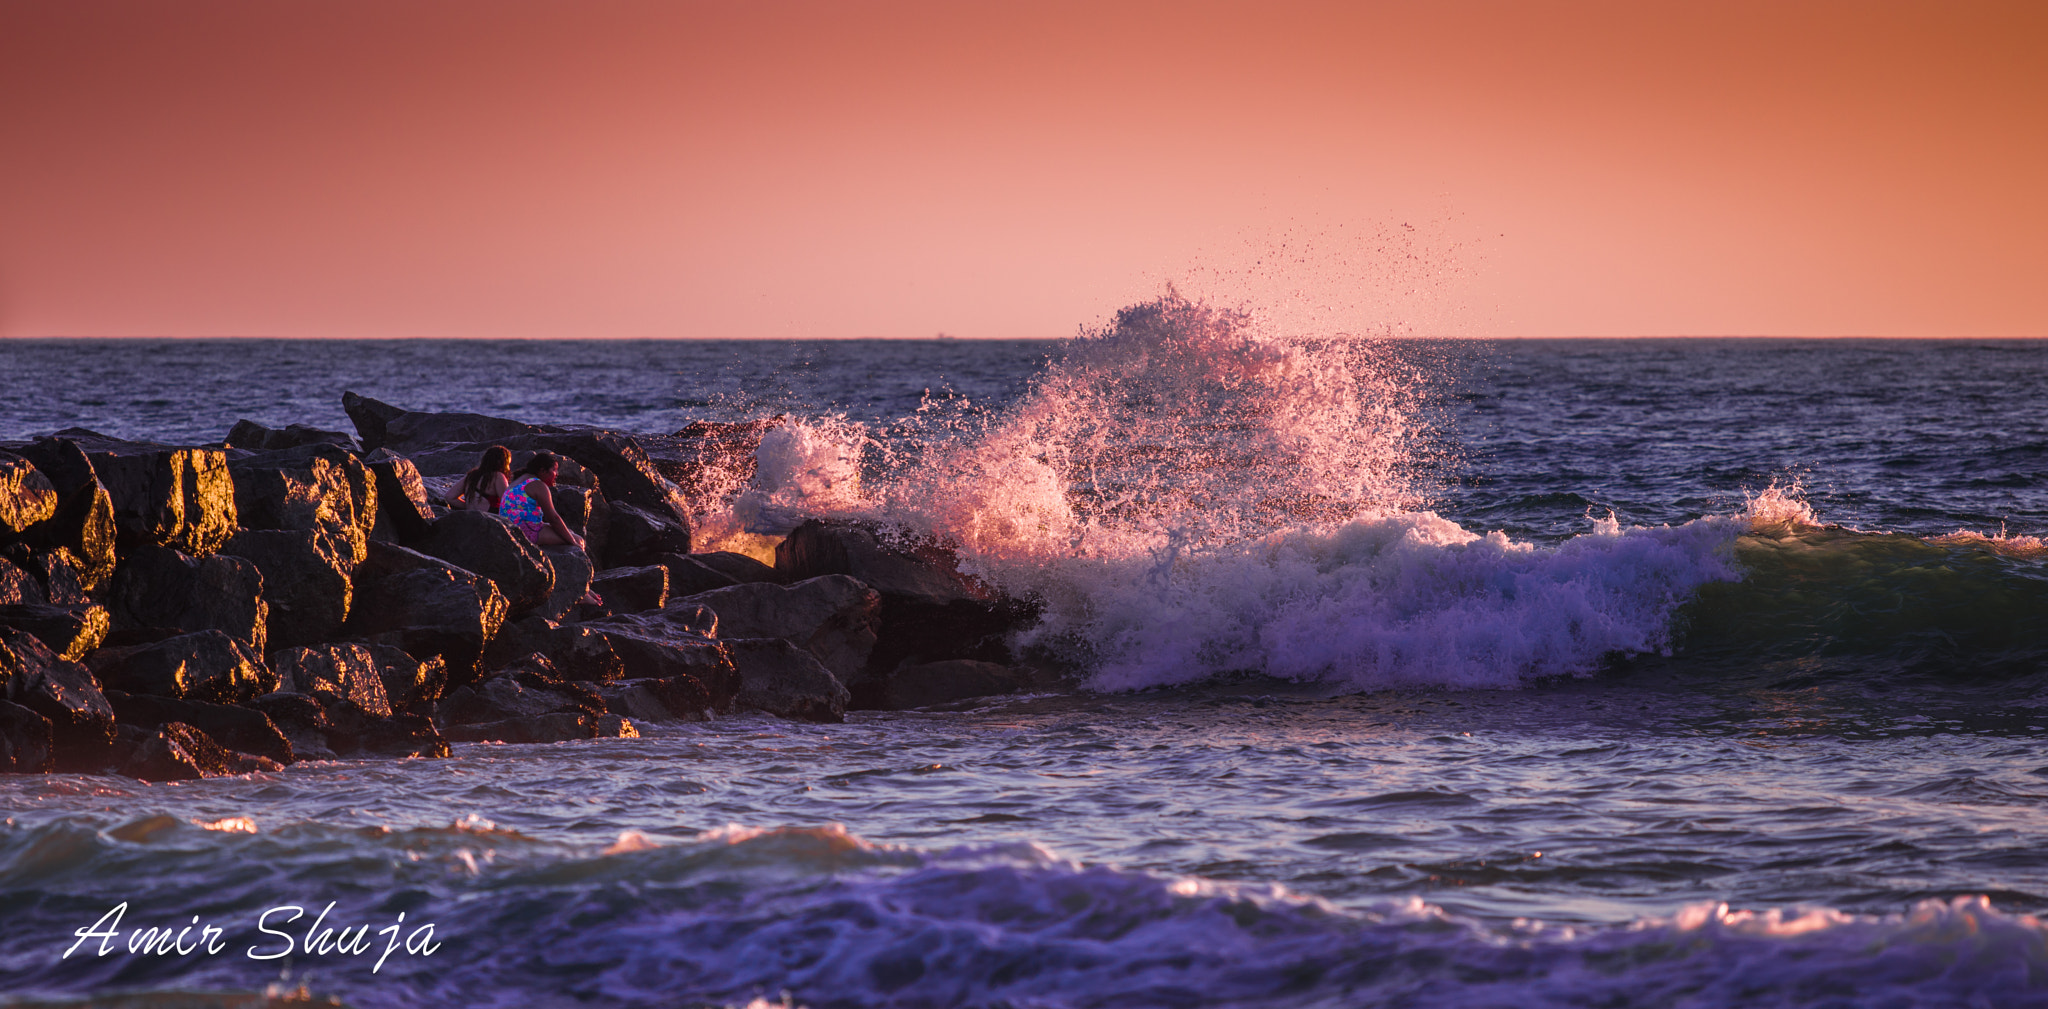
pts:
[171, 612]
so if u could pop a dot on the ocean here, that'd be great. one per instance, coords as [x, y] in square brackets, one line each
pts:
[1530, 673]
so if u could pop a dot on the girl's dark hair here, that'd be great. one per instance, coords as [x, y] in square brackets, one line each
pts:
[497, 459]
[540, 463]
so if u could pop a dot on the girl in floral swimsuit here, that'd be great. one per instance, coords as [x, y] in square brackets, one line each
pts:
[530, 503]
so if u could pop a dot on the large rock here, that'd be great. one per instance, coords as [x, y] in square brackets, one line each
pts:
[688, 576]
[408, 680]
[26, 496]
[672, 642]
[18, 587]
[635, 536]
[710, 459]
[572, 580]
[403, 736]
[302, 721]
[69, 631]
[319, 488]
[83, 524]
[920, 686]
[738, 567]
[24, 740]
[834, 617]
[182, 498]
[401, 498]
[65, 580]
[577, 652]
[631, 590]
[206, 666]
[180, 752]
[65, 693]
[307, 586]
[426, 606]
[490, 546]
[553, 728]
[158, 587]
[676, 699]
[930, 610]
[782, 679]
[247, 434]
[381, 425]
[235, 727]
[349, 671]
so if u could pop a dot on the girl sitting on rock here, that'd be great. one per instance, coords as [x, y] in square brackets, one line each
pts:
[483, 487]
[530, 503]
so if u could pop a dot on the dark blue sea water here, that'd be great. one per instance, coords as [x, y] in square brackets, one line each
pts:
[1517, 673]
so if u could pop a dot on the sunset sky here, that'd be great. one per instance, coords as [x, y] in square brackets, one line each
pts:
[664, 169]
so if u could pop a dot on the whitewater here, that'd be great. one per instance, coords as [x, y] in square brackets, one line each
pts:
[1544, 673]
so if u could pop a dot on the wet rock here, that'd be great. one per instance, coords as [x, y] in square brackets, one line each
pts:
[65, 693]
[930, 611]
[527, 689]
[317, 488]
[408, 680]
[488, 545]
[739, 567]
[18, 587]
[65, 580]
[688, 576]
[235, 727]
[553, 728]
[672, 642]
[677, 699]
[183, 498]
[710, 460]
[247, 434]
[631, 590]
[427, 607]
[24, 740]
[782, 679]
[919, 686]
[69, 631]
[83, 524]
[306, 582]
[835, 617]
[26, 495]
[302, 721]
[635, 536]
[179, 752]
[161, 587]
[348, 671]
[403, 735]
[205, 666]
[572, 579]
[401, 496]
[581, 509]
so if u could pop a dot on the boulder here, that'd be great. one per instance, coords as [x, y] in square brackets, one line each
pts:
[688, 576]
[583, 510]
[161, 587]
[635, 536]
[782, 679]
[65, 693]
[738, 567]
[381, 425]
[63, 578]
[180, 752]
[349, 671]
[183, 498]
[572, 579]
[247, 434]
[919, 686]
[69, 631]
[235, 727]
[551, 728]
[676, 699]
[307, 586]
[18, 587]
[401, 498]
[490, 546]
[408, 680]
[403, 735]
[427, 607]
[83, 523]
[930, 611]
[833, 616]
[301, 720]
[205, 666]
[24, 740]
[631, 590]
[676, 641]
[26, 496]
[318, 488]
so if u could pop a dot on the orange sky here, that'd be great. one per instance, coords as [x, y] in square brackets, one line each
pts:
[668, 169]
